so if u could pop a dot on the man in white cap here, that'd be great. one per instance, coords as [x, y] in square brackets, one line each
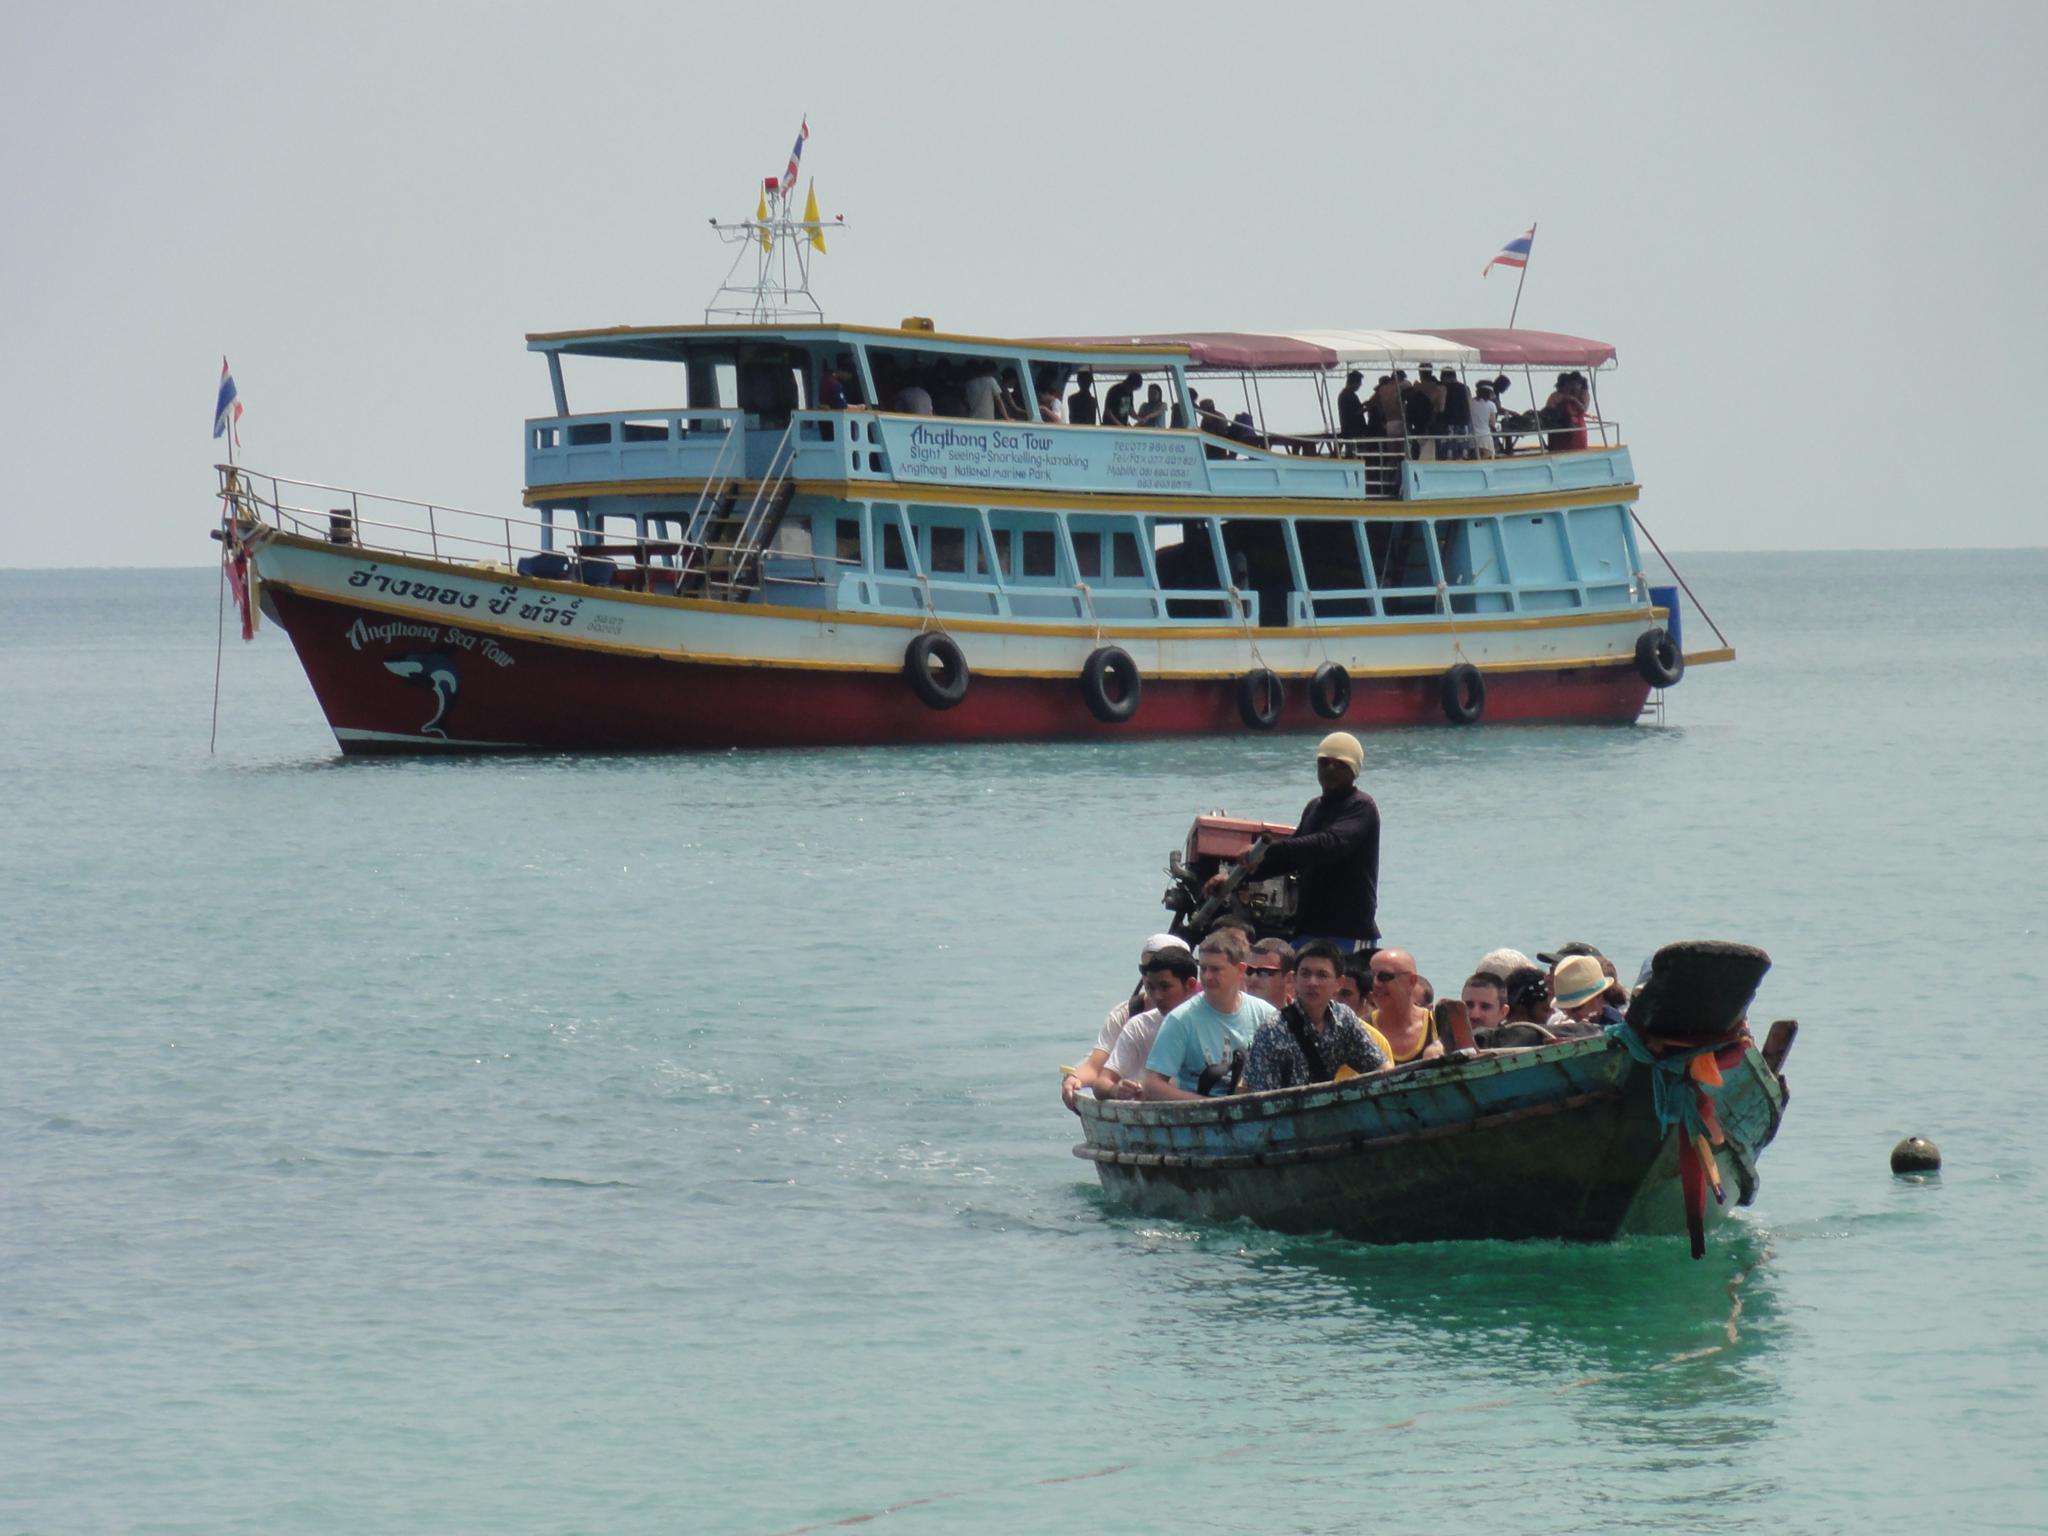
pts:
[1335, 850]
[1089, 1073]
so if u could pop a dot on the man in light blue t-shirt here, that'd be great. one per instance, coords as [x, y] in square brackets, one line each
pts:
[1192, 1056]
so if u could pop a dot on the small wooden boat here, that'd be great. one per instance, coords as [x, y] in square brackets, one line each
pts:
[1575, 1140]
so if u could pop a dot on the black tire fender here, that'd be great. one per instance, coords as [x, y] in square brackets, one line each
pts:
[1329, 691]
[1464, 694]
[1260, 695]
[937, 670]
[1110, 668]
[1659, 660]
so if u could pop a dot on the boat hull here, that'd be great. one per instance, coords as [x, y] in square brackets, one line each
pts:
[1559, 1142]
[433, 682]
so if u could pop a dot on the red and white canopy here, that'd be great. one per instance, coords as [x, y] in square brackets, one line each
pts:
[1294, 351]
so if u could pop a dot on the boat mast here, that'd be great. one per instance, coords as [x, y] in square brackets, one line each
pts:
[780, 245]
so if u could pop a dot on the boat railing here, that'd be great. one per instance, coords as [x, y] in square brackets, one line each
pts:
[399, 525]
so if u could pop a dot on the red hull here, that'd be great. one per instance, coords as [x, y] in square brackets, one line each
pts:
[508, 692]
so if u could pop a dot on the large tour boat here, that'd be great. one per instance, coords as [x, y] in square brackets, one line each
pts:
[817, 533]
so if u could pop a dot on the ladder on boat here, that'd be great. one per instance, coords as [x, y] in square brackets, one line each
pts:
[724, 541]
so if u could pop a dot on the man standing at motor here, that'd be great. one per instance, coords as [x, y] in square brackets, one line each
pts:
[1335, 850]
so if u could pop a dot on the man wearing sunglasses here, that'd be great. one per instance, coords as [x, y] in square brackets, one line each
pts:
[1410, 1031]
[1269, 974]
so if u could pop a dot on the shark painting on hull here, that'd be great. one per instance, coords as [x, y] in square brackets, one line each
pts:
[430, 669]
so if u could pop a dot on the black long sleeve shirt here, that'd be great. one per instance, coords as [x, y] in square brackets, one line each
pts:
[1335, 850]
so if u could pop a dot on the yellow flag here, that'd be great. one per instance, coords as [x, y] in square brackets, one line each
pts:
[761, 218]
[811, 217]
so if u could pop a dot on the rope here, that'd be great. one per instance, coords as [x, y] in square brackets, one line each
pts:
[1637, 518]
[220, 640]
[1094, 618]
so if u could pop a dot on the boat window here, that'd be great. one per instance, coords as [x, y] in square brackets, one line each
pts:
[1027, 545]
[1329, 554]
[949, 552]
[895, 557]
[1400, 559]
[1469, 549]
[1184, 553]
[1087, 554]
[1041, 553]
[846, 547]
[584, 434]
[643, 431]
[1107, 548]
[1259, 563]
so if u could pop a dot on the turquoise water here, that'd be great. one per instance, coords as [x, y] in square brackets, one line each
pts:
[673, 1144]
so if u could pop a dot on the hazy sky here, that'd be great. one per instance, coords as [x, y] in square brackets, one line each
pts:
[1815, 233]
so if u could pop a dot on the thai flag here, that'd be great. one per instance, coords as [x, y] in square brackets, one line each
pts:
[796, 154]
[227, 409]
[1514, 254]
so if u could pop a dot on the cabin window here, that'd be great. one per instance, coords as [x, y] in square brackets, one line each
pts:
[949, 551]
[1041, 553]
[643, 431]
[1087, 554]
[1106, 548]
[1004, 562]
[846, 543]
[1400, 559]
[1185, 554]
[1259, 563]
[895, 557]
[1329, 554]
[586, 434]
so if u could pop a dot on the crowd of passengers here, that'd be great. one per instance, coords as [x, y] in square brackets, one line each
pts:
[1441, 417]
[1436, 414]
[1246, 1015]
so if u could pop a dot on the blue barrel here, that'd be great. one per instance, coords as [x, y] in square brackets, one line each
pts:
[1667, 599]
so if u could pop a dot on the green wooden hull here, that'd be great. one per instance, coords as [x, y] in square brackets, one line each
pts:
[1556, 1142]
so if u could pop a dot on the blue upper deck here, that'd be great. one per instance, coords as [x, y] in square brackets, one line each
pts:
[916, 412]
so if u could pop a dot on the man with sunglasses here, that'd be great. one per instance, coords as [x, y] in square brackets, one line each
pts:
[1269, 974]
[1410, 1031]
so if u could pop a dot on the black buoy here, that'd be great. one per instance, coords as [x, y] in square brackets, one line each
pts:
[1916, 1154]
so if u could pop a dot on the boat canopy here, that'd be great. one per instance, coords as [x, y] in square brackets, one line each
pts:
[1295, 351]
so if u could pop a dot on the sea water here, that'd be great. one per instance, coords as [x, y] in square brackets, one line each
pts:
[672, 1144]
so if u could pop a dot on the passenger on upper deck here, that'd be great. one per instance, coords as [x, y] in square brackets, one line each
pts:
[1335, 848]
[1153, 413]
[1119, 409]
[1315, 1035]
[1485, 413]
[986, 400]
[1418, 410]
[1351, 422]
[1081, 407]
[1203, 1043]
[1049, 405]
[1456, 420]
